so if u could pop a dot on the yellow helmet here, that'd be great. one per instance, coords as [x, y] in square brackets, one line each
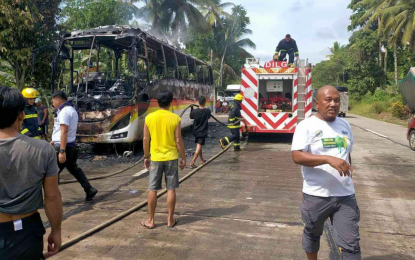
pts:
[29, 93]
[238, 97]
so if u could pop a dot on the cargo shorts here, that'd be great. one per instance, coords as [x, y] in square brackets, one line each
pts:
[170, 169]
[344, 215]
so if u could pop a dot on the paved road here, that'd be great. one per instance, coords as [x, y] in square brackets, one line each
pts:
[395, 133]
[245, 206]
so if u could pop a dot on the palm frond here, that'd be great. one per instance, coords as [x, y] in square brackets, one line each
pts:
[244, 43]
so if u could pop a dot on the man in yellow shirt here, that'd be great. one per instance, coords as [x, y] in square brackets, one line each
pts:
[164, 129]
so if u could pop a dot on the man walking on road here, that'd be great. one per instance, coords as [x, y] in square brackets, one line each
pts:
[323, 144]
[164, 129]
[27, 165]
[63, 139]
[201, 118]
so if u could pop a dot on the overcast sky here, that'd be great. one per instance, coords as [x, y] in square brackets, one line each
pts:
[314, 24]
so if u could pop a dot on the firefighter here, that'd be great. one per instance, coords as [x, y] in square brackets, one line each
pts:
[30, 126]
[234, 116]
[287, 46]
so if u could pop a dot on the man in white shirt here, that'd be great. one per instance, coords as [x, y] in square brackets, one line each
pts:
[63, 139]
[323, 144]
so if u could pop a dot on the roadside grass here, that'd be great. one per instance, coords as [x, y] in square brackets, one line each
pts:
[379, 110]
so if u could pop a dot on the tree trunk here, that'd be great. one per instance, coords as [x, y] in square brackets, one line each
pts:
[395, 53]
[221, 68]
[380, 45]
[17, 77]
[385, 68]
[380, 54]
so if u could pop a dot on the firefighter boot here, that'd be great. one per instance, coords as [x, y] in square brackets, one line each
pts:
[237, 147]
[224, 142]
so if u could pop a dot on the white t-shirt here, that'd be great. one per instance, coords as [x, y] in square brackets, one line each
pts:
[67, 116]
[319, 137]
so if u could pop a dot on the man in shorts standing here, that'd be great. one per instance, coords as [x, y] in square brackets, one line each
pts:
[323, 144]
[164, 129]
[201, 118]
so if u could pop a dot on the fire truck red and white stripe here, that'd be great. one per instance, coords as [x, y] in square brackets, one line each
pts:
[275, 122]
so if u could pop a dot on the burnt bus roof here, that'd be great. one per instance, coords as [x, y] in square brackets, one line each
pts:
[121, 37]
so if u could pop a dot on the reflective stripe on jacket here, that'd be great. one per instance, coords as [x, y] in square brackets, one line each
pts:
[30, 126]
[285, 46]
[235, 115]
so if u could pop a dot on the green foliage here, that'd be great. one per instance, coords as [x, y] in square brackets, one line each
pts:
[399, 110]
[173, 19]
[87, 14]
[25, 25]
[380, 95]
[379, 107]
[227, 41]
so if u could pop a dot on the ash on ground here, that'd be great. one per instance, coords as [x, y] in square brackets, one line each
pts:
[93, 157]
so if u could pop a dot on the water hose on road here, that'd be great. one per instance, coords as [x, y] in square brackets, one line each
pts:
[217, 120]
[133, 209]
[105, 175]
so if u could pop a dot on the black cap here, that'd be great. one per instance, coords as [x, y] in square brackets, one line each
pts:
[288, 36]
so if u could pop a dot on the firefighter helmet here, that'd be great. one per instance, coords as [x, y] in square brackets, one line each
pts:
[29, 93]
[238, 97]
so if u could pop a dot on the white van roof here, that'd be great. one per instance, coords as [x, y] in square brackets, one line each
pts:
[233, 87]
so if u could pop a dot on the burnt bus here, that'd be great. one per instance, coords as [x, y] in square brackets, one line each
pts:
[115, 74]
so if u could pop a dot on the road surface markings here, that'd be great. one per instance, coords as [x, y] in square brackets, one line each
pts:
[138, 174]
[373, 132]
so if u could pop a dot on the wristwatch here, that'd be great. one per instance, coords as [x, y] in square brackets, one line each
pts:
[62, 151]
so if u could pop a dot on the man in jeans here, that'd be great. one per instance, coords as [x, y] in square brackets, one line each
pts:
[27, 166]
[323, 144]
[63, 139]
[164, 129]
[201, 118]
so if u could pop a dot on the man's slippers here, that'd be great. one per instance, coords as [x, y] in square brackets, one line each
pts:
[144, 225]
[174, 224]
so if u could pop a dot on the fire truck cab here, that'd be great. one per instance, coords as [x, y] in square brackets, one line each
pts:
[276, 97]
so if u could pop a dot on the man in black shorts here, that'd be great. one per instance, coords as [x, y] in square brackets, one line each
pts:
[201, 117]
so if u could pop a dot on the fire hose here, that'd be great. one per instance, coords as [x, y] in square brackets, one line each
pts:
[133, 209]
[245, 135]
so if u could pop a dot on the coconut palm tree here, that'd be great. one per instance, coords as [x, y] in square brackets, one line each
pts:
[151, 12]
[172, 18]
[214, 11]
[337, 47]
[232, 37]
[399, 24]
[372, 16]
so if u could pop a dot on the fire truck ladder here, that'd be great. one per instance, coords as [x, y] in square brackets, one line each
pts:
[302, 82]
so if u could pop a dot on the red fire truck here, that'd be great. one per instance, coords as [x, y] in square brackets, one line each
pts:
[276, 97]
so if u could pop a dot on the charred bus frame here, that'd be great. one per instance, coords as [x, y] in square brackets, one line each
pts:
[112, 106]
